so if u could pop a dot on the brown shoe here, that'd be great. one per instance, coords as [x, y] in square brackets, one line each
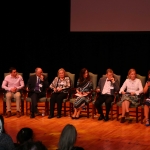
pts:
[8, 114]
[18, 114]
[127, 115]
[122, 120]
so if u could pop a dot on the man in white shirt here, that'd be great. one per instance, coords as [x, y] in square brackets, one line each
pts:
[107, 86]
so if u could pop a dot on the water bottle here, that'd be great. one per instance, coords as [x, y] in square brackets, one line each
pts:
[43, 113]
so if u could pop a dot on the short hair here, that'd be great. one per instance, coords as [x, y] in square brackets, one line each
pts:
[62, 69]
[109, 71]
[67, 138]
[11, 69]
[37, 69]
[24, 135]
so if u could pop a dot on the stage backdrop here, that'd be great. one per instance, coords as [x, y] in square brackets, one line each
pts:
[110, 15]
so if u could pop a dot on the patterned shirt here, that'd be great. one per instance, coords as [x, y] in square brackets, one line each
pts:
[11, 82]
[64, 84]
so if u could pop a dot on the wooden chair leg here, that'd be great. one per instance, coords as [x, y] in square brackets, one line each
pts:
[136, 114]
[46, 108]
[64, 108]
[93, 111]
[22, 107]
[26, 107]
[87, 110]
[4, 108]
[117, 113]
[142, 114]
[111, 112]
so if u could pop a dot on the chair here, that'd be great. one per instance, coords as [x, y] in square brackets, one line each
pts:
[13, 99]
[118, 77]
[72, 79]
[139, 105]
[72, 99]
[41, 100]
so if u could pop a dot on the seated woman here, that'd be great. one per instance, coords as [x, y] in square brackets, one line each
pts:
[133, 87]
[6, 141]
[23, 136]
[60, 87]
[147, 102]
[84, 87]
[68, 138]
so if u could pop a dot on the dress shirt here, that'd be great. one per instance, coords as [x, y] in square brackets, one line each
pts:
[132, 86]
[11, 82]
[107, 87]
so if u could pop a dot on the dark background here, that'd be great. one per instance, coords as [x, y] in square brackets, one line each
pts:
[39, 36]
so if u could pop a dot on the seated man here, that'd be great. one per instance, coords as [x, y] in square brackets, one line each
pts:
[36, 86]
[13, 83]
[107, 86]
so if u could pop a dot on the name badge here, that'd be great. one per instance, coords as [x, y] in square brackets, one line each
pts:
[40, 85]
[111, 87]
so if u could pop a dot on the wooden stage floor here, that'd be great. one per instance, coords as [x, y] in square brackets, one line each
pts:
[92, 134]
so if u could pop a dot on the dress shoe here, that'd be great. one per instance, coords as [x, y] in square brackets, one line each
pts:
[77, 117]
[122, 120]
[8, 114]
[106, 118]
[73, 117]
[58, 116]
[18, 114]
[32, 116]
[101, 117]
[147, 122]
[50, 116]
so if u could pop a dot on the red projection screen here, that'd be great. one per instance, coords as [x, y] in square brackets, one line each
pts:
[110, 15]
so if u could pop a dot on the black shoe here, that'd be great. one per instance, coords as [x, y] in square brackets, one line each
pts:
[32, 116]
[106, 118]
[58, 116]
[50, 116]
[101, 117]
[77, 117]
[73, 117]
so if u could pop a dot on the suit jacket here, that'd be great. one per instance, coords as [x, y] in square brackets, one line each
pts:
[101, 84]
[31, 84]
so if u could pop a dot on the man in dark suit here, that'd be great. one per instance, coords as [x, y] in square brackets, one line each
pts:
[36, 86]
[107, 86]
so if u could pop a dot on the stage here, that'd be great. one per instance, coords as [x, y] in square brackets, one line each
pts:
[92, 134]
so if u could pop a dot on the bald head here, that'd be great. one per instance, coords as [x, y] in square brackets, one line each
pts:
[38, 71]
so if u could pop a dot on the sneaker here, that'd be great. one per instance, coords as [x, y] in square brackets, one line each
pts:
[8, 114]
[18, 114]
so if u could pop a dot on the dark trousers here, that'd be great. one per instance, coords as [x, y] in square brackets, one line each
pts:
[34, 100]
[57, 98]
[108, 99]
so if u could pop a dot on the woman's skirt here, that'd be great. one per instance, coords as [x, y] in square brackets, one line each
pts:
[81, 102]
[133, 99]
